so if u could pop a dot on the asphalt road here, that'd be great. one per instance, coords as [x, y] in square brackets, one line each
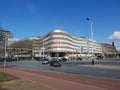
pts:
[73, 67]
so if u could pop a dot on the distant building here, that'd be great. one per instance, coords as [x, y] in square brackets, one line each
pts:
[109, 50]
[26, 48]
[59, 43]
[4, 37]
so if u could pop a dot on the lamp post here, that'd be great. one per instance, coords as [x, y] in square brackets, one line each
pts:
[5, 47]
[43, 50]
[92, 34]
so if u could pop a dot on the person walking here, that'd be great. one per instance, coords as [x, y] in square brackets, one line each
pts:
[92, 59]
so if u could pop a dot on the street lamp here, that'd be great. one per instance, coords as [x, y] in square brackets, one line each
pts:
[43, 52]
[5, 47]
[91, 25]
[92, 34]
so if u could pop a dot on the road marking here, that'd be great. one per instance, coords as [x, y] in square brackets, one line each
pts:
[102, 72]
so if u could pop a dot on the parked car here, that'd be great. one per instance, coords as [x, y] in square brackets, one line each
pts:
[99, 57]
[79, 58]
[2, 59]
[63, 59]
[55, 63]
[14, 59]
[45, 61]
[8, 59]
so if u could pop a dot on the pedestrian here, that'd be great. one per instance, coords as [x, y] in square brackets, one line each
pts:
[80, 57]
[92, 59]
[76, 57]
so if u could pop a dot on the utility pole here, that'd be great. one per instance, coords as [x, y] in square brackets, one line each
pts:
[5, 48]
[91, 25]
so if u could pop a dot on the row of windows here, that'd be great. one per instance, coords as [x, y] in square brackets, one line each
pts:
[63, 40]
[68, 45]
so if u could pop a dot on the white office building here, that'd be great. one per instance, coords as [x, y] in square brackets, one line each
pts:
[60, 43]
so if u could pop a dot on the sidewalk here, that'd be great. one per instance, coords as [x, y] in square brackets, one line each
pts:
[101, 66]
[64, 81]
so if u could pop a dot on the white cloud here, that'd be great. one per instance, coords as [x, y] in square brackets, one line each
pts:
[31, 8]
[118, 49]
[115, 36]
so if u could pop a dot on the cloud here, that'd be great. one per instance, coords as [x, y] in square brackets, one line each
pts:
[31, 8]
[115, 36]
[118, 49]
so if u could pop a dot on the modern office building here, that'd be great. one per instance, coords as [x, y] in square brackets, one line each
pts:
[59, 43]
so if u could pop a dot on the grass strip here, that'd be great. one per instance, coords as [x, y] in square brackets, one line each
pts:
[6, 77]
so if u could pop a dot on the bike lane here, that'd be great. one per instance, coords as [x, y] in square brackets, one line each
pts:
[60, 81]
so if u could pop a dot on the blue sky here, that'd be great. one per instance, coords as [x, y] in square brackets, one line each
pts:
[25, 18]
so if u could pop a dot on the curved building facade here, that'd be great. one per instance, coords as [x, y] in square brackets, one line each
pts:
[60, 43]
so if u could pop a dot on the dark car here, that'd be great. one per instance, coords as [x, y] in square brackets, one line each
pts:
[7, 59]
[55, 63]
[99, 57]
[45, 61]
[79, 58]
[2, 59]
[63, 59]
